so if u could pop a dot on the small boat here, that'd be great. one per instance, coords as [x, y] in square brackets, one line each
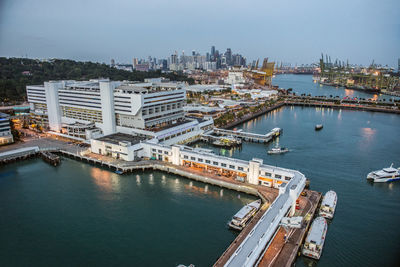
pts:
[315, 239]
[240, 219]
[385, 175]
[119, 172]
[328, 205]
[278, 150]
[228, 141]
[318, 127]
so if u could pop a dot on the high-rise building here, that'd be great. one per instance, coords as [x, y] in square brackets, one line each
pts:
[398, 65]
[72, 107]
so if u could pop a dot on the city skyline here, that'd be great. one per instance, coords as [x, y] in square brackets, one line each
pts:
[285, 31]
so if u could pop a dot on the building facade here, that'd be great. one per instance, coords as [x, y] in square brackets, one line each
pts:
[6, 136]
[111, 105]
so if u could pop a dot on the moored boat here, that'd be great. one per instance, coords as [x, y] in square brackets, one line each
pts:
[385, 175]
[240, 219]
[315, 239]
[328, 205]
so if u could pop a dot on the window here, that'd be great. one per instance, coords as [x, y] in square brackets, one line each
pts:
[231, 166]
[267, 174]
[159, 151]
[223, 165]
[240, 168]
[200, 160]
[185, 157]
[154, 150]
[215, 163]
[207, 161]
[192, 158]
[278, 176]
[287, 178]
[166, 152]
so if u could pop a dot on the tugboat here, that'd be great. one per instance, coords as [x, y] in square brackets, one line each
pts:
[318, 127]
[385, 175]
[278, 150]
[240, 219]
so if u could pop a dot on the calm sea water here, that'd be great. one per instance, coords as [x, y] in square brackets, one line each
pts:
[80, 215]
[303, 84]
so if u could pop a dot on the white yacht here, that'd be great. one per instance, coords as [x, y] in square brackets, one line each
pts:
[315, 239]
[328, 205]
[240, 219]
[278, 150]
[385, 175]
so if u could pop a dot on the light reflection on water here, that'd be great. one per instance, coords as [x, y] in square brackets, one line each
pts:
[105, 179]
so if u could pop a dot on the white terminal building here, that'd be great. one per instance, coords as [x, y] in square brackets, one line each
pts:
[90, 109]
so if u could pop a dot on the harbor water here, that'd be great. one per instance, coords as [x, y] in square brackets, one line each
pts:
[303, 84]
[80, 215]
[365, 229]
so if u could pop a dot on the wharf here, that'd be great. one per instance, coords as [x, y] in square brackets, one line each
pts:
[247, 136]
[281, 253]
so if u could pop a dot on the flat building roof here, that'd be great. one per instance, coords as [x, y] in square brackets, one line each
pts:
[121, 137]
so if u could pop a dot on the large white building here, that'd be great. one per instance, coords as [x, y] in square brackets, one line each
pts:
[87, 109]
[5, 130]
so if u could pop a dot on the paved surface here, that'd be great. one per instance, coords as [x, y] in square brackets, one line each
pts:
[281, 253]
[43, 141]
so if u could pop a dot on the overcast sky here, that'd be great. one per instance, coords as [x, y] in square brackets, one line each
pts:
[284, 30]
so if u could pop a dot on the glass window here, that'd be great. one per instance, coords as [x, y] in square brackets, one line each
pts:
[223, 165]
[215, 163]
[240, 168]
[207, 161]
[267, 174]
[200, 160]
[278, 176]
[287, 178]
[185, 157]
[192, 158]
[232, 166]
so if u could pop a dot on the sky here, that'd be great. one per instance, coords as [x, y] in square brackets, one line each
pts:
[291, 31]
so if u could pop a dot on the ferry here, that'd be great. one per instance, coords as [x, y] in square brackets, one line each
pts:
[278, 150]
[318, 127]
[240, 219]
[315, 239]
[328, 205]
[385, 175]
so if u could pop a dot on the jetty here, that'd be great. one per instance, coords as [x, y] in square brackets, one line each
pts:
[245, 136]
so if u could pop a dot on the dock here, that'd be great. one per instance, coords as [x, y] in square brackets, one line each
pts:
[50, 158]
[245, 136]
[284, 253]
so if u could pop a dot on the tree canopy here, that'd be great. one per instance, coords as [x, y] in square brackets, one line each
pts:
[16, 73]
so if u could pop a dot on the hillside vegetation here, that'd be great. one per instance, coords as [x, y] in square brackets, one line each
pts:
[16, 73]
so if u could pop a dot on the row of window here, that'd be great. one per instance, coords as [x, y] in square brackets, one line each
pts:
[215, 163]
[278, 176]
[159, 151]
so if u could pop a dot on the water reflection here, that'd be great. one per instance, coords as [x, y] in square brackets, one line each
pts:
[138, 182]
[106, 180]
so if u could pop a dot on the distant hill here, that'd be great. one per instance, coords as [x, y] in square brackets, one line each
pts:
[16, 73]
